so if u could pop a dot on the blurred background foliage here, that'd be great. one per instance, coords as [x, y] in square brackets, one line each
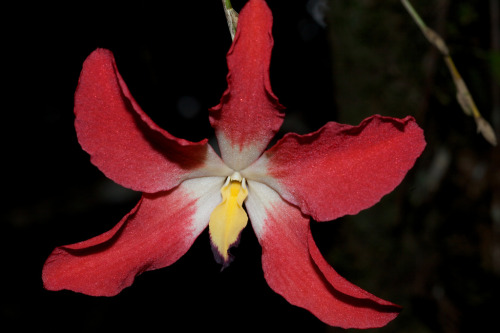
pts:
[435, 239]
[432, 246]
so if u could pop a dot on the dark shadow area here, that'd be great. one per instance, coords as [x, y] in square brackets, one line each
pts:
[431, 245]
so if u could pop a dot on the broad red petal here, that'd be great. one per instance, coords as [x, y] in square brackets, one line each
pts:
[341, 169]
[294, 268]
[157, 232]
[249, 114]
[123, 141]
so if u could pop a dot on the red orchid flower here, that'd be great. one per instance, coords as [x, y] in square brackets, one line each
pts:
[337, 170]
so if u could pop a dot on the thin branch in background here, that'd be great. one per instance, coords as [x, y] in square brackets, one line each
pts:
[495, 95]
[495, 48]
[231, 17]
[463, 95]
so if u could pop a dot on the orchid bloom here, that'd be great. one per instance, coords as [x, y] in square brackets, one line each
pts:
[186, 186]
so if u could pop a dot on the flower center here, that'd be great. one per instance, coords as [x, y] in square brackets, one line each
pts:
[229, 218]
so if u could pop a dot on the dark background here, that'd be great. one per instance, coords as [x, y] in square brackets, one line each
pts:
[433, 245]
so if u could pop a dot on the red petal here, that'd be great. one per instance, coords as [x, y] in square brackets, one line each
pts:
[295, 269]
[157, 232]
[341, 169]
[123, 141]
[249, 114]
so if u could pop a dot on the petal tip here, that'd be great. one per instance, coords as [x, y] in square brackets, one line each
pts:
[224, 258]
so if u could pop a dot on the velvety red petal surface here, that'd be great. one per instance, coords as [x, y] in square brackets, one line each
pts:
[157, 232]
[123, 141]
[294, 268]
[249, 114]
[341, 169]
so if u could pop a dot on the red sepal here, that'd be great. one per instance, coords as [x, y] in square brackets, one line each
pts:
[295, 269]
[155, 234]
[123, 141]
[249, 114]
[341, 169]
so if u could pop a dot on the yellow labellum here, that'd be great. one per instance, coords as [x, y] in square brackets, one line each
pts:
[229, 218]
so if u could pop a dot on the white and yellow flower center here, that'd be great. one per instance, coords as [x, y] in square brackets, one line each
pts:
[229, 218]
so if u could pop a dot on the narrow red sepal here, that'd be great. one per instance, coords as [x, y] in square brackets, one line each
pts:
[294, 268]
[341, 169]
[155, 234]
[249, 114]
[122, 140]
